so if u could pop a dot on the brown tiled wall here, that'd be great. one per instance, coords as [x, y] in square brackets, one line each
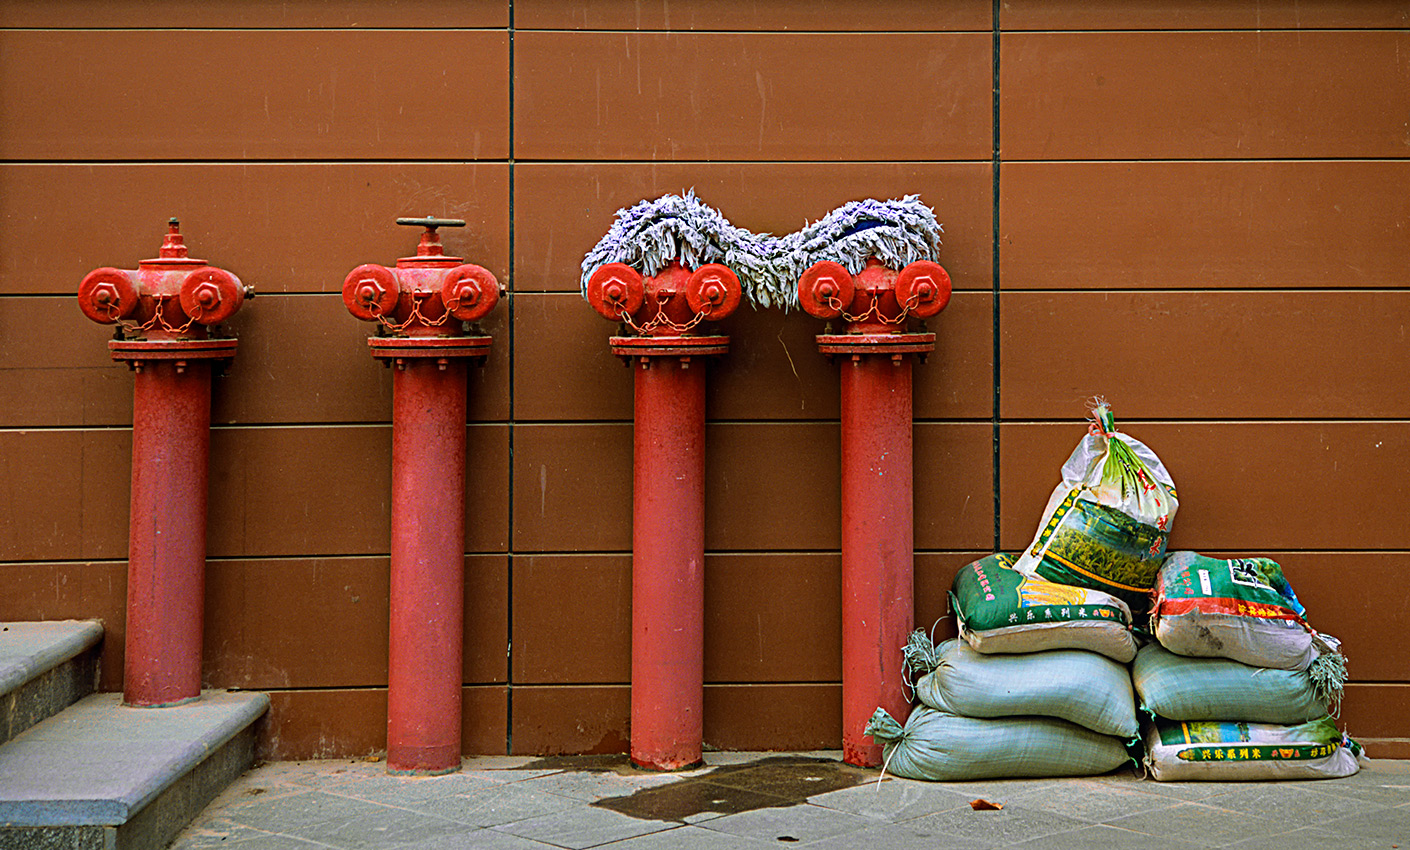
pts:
[1201, 214]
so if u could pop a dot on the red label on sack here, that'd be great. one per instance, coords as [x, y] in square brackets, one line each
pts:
[1224, 605]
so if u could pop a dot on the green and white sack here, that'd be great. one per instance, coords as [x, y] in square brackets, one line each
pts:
[1232, 751]
[944, 747]
[1000, 610]
[1180, 688]
[1242, 609]
[1083, 687]
[1106, 524]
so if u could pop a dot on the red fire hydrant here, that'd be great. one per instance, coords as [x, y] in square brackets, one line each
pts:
[164, 310]
[878, 538]
[668, 496]
[424, 308]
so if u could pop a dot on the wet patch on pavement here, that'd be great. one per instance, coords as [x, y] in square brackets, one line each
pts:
[773, 782]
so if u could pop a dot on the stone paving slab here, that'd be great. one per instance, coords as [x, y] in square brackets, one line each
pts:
[791, 825]
[502, 804]
[530, 805]
[581, 827]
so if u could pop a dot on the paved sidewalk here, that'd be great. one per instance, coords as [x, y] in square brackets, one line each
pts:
[747, 801]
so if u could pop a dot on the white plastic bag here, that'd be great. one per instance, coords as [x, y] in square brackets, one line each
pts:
[1106, 524]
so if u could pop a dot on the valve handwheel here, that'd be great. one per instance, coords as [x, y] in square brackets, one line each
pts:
[431, 222]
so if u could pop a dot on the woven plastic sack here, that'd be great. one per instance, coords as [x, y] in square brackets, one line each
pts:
[1180, 688]
[944, 747]
[1001, 610]
[1242, 609]
[1235, 751]
[1083, 687]
[1106, 524]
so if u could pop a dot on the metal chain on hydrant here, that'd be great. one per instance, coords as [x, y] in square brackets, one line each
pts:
[157, 318]
[662, 320]
[874, 310]
[416, 299]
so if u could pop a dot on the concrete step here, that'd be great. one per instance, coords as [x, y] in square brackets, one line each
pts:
[102, 776]
[44, 668]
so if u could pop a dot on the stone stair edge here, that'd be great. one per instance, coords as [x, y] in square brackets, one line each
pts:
[219, 715]
[56, 641]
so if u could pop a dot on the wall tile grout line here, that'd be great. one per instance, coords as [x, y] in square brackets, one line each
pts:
[509, 542]
[996, 284]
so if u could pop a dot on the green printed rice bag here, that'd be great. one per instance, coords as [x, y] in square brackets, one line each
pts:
[1088, 689]
[1233, 751]
[944, 747]
[1001, 610]
[1241, 609]
[1180, 688]
[1106, 524]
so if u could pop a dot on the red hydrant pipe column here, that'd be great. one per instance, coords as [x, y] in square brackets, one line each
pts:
[878, 544]
[878, 539]
[166, 575]
[165, 310]
[426, 306]
[668, 495]
[668, 553]
[427, 619]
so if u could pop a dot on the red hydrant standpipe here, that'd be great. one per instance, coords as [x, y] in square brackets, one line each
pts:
[668, 494]
[877, 484]
[420, 306]
[163, 310]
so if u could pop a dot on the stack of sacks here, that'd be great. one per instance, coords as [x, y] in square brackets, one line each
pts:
[1240, 686]
[1106, 524]
[1037, 686]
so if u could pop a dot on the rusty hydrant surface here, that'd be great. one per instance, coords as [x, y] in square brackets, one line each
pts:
[666, 353]
[878, 539]
[423, 307]
[165, 310]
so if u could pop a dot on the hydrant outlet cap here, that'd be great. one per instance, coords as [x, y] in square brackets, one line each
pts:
[107, 295]
[825, 289]
[616, 290]
[713, 291]
[469, 292]
[923, 288]
[211, 295]
[370, 291]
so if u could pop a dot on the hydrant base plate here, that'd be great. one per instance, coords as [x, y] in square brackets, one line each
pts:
[876, 343]
[173, 349]
[390, 347]
[669, 346]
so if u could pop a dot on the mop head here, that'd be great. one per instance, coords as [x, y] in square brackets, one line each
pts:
[896, 232]
[651, 234]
